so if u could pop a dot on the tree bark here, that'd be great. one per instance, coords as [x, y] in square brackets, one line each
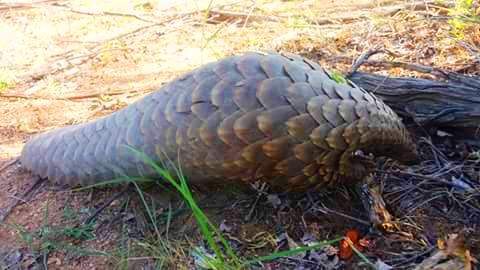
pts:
[452, 104]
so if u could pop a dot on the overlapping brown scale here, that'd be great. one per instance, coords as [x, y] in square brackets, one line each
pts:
[271, 92]
[310, 169]
[245, 94]
[358, 94]
[316, 78]
[329, 160]
[265, 169]
[289, 167]
[171, 139]
[184, 102]
[330, 111]
[346, 109]
[148, 127]
[213, 161]
[243, 163]
[278, 148]
[335, 138]
[134, 136]
[181, 136]
[297, 181]
[249, 66]
[351, 134]
[298, 95]
[229, 165]
[57, 163]
[222, 97]
[329, 89]
[312, 64]
[344, 91]
[315, 108]
[319, 185]
[110, 153]
[203, 110]
[319, 134]
[297, 60]
[246, 127]
[70, 151]
[120, 118]
[128, 113]
[193, 136]
[82, 138]
[272, 65]
[301, 90]
[170, 109]
[91, 150]
[199, 163]
[306, 151]
[226, 131]
[272, 122]
[247, 175]
[256, 116]
[208, 130]
[158, 119]
[361, 109]
[226, 68]
[301, 126]
[294, 73]
[202, 92]
[235, 167]
[197, 75]
[332, 178]
[369, 98]
[253, 153]
[59, 158]
[345, 164]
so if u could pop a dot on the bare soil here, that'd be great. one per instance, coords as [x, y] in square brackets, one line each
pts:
[67, 62]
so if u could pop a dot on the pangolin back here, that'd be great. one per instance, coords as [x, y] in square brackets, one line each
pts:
[257, 116]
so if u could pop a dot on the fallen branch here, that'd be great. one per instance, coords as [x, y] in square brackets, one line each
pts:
[76, 97]
[381, 11]
[8, 164]
[218, 16]
[452, 104]
[103, 13]
[36, 4]
[106, 203]
[23, 199]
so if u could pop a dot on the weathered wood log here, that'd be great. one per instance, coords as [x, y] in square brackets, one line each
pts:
[452, 104]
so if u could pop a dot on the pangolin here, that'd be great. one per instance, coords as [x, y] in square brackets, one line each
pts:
[271, 117]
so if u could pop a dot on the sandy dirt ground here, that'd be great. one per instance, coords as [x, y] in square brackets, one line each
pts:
[68, 62]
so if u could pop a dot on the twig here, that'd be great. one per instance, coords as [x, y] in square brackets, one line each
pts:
[8, 164]
[259, 195]
[425, 177]
[103, 13]
[326, 210]
[383, 11]
[221, 15]
[105, 205]
[75, 97]
[362, 59]
[26, 196]
[10, 6]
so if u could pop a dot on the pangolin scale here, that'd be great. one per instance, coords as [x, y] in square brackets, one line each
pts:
[279, 118]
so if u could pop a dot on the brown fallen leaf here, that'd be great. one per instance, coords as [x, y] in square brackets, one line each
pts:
[451, 254]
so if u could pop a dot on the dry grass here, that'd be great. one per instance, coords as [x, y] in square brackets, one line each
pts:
[118, 51]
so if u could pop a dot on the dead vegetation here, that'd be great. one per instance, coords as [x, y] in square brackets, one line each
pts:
[68, 62]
